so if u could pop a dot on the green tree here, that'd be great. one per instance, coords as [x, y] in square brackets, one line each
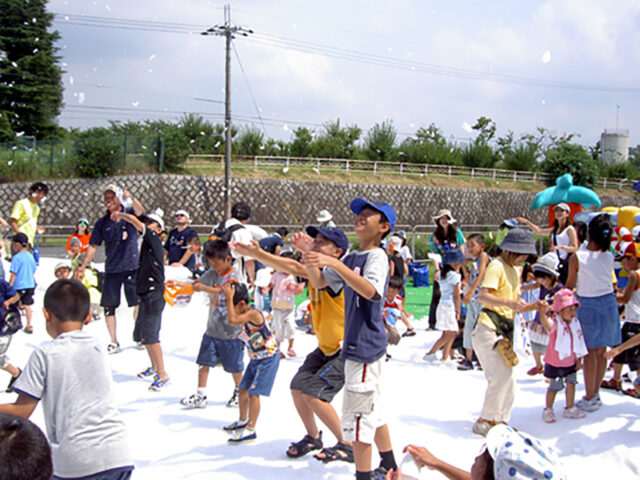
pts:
[300, 146]
[249, 142]
[30, 75]
[95, 153]
[337, 141]
[486, 129]
[6, 133]
[520, 154]
[430, 146]
[574, 159]
[379, 143]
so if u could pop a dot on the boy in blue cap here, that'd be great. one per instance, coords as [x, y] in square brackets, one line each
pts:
[364, 274]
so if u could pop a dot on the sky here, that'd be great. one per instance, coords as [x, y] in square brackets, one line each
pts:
[570, 66]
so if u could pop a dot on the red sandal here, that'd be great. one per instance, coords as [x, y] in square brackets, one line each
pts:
[612, 384]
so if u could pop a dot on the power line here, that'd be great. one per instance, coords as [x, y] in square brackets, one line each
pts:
[253, 98]
[346, 54]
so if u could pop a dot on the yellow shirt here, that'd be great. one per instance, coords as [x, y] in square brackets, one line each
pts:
[503, 281]
[327, 315]
[26, 214]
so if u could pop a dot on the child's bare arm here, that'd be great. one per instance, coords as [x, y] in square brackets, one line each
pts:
[11, 300]
[629, 289]
[132, 219]
[12, 278]
[279, 264]
[632, 342]
[22, 407]
[253, 316]
[482, 267]
[360, 284]
[545, 318]
[456, 300]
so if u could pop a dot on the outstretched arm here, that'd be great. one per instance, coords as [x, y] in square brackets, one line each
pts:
[132, 219]
[253, 250]
[22, 407]
[535, 228]
[360, 284]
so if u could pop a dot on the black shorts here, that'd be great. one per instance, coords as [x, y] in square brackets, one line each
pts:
[147, 329]
[320, 376]
[26, 296]
[111, 289]
[630, 356]
[558, 372]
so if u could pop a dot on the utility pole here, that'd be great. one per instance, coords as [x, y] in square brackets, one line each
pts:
[228, 31]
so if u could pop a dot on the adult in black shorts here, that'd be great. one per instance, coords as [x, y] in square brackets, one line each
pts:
[121, 247]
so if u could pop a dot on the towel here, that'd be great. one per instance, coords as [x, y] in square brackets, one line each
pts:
[565, 334]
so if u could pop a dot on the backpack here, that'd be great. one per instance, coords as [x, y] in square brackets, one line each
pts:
[99, 278]
[220, 232]
[10, 322]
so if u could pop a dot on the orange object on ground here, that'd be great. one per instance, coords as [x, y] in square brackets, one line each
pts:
[177, 295]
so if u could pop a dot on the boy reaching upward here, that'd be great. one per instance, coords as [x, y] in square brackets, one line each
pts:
[364, 273]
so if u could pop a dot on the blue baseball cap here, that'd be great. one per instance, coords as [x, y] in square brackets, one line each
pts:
[359, 203]
[453, 256]
[334, 234]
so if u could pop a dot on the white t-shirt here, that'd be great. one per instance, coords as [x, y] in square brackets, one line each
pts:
[595, 273]
[241, 235]
[405, 253]
[71, 376]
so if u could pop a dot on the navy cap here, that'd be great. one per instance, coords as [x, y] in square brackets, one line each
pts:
[453, 256]
[21, 238]
[334, 234]
[359, 203]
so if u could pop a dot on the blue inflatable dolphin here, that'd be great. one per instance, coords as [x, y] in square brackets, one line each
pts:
[566, 191]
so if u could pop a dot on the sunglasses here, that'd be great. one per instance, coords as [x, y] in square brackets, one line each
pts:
[180, 215]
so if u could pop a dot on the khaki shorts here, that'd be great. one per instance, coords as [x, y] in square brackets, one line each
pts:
[361, 412]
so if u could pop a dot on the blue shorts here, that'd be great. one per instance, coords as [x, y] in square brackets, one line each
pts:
[260, 374]
[599, 320]
[147, 329]
[111, 289]
[229, 353]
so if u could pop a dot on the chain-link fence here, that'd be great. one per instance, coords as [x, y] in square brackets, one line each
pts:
[27, 158]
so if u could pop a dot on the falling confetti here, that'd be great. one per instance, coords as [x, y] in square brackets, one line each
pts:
[285, 169]
[71, 80]
[466, 127]
[152, 57]
[285, 127]
[136, 103]
[546, 56]
[81, 97]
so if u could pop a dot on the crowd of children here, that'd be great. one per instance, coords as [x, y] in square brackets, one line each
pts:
[357, 300]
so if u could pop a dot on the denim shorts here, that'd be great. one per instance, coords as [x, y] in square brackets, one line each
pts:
[111, 289]
[147, 329]
[260, 374]
[229, 353]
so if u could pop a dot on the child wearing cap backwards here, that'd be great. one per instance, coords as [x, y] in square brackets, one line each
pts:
[631, 328]
[591, 273]
[364, 274]
[150, 289]
[500, 299]
[261, 372]
[448, 312]
[82, 233]
[566, 346]
[23, 267]
[321, 376]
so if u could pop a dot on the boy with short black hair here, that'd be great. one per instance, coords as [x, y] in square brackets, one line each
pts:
[260, 374]
[24, 451]
[364, 273]
[220, 343]
[394, 304]
[23, 267]
[84, 427]
[475, 249]
[150, 290]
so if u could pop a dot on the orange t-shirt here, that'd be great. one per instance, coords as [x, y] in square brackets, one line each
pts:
[84, 240]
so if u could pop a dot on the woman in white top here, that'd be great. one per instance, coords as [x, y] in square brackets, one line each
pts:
[563, 237]
[591, 273]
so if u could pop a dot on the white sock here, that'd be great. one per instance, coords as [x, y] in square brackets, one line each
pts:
[202, 391]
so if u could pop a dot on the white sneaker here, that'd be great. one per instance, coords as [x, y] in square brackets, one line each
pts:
[588, 405]
[548, 415]
[196, 400]
[482, 427]
[450, 363]
[113, 348]
[573, 412]
[430, 357]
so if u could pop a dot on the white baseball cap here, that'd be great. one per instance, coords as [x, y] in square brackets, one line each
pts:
[182, 212]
